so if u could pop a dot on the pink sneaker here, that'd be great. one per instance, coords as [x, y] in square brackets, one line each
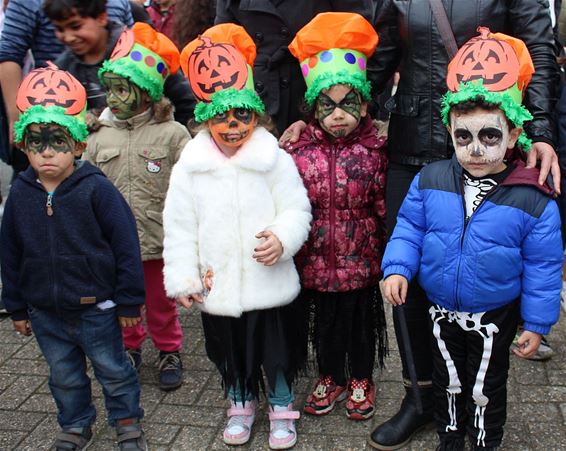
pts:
[326, 393]
[282, 432]
[240, 421]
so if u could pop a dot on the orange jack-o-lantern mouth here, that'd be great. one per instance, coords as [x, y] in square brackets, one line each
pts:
[213, 67]
[51, 86]
[124, 45]
[492, 60]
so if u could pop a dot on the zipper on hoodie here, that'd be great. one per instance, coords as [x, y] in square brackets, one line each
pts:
[49, 204]
[50, 225]
[332, 217]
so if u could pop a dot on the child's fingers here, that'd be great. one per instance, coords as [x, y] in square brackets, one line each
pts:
[197, 297]
[185, 301]
[272, 261]
[404, 289]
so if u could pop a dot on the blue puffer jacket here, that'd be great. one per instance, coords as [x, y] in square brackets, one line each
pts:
[510, 248]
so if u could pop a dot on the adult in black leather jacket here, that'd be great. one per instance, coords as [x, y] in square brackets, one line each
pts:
[409, 41]
[272, 24]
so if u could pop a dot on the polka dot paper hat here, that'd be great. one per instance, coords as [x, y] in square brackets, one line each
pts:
[145, 57]
[333, 48]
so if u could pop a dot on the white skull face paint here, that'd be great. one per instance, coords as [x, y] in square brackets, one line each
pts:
[481, 139]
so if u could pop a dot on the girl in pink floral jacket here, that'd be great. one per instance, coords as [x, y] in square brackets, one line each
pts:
[342, 161]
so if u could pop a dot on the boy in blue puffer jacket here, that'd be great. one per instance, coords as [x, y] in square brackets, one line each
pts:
[484, 238]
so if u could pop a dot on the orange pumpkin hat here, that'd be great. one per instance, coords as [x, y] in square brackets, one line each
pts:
[49, 95]
[496, 68]
[333, 48]
[145, 57]
[218, 65]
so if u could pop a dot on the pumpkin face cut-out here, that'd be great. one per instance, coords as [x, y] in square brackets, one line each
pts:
[483, 57]
[214, 67]
[124, 45]
[50, 86]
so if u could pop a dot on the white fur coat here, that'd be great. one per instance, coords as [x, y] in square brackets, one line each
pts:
[214, 208]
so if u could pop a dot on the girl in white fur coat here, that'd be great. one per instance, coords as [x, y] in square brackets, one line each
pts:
[235, 214]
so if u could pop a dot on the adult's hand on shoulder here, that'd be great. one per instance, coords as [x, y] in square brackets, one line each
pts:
[291, 135]
[545, 153]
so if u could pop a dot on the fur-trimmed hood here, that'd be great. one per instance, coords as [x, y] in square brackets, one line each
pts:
[259, 153]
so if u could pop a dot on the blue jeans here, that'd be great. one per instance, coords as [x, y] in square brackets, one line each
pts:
[65, 344]
[280, 395]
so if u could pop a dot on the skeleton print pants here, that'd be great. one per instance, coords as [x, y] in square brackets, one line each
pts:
[470, 368]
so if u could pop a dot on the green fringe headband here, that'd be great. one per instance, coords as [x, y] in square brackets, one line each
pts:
[226, 99]
[39, 114]
[474, 90]
[124, 68]
[328, 79]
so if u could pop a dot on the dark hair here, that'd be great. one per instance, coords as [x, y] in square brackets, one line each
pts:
[479, 102]
[63, 9]
[192, 17]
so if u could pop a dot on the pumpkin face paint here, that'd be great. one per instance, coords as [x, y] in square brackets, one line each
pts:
[230, 130]
[124, 98]
[213, 67]
[481, 139]
[339, 110]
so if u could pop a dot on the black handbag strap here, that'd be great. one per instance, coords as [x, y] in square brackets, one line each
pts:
[444, 28]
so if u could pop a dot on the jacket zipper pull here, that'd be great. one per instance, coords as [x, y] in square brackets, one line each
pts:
[49, 204]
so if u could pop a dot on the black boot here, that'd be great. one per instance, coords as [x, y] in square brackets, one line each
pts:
[398, 430]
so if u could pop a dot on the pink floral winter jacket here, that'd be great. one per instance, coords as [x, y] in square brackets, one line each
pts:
[345, 180]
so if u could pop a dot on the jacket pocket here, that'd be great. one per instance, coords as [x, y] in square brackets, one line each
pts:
[35, 283]
[403, 104]
[105, 155]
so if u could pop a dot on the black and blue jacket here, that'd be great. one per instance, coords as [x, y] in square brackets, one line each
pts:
[510, 248]
[87, 251]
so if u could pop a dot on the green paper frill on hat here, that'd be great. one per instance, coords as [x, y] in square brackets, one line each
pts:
[39, 114]
[141, 66]
[225, 100]
[333, 48]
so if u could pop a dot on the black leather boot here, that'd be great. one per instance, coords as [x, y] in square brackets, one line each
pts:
[398, 430]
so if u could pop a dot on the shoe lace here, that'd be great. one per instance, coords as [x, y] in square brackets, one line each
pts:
[169, 362]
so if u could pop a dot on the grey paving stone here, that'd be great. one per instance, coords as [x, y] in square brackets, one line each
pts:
[12, 420]
[194, 439]
[11, 439]
[19, 391]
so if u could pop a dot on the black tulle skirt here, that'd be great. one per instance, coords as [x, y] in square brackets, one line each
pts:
[268, 340]
[346, 330]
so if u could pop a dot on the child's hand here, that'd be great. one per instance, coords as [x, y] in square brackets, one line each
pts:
[270, 250]
[187, 301]
[126, 321]
[527, 344]
[23, 327]
[395, 289]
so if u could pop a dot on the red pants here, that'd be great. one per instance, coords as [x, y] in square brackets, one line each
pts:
[160, 312]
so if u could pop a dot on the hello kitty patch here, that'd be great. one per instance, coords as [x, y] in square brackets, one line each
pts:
[153, 166]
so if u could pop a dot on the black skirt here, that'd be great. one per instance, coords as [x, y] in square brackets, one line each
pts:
[345, 329]
[268, 339]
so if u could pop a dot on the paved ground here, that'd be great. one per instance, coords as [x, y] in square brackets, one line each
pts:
[192, 417]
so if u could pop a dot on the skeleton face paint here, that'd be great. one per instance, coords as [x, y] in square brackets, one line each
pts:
[230, 130]
[339, 110]
[481, 139]
[38, 139]
[124, 98]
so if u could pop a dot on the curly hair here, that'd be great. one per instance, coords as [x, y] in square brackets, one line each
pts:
[192, 17]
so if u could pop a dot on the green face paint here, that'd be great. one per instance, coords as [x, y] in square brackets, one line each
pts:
[351, 104]
[56, 139]
[124, 99]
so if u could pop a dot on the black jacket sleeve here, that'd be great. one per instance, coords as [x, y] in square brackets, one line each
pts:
[178, 90]
[530, 22]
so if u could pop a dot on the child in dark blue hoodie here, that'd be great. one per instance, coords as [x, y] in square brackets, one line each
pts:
[71, 264]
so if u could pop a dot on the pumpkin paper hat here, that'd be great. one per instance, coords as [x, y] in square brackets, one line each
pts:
[219, 65]
[49, 95]
[145, 57]
[333, 48]
[496, 68]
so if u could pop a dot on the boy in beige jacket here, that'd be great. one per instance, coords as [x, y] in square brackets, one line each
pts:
[136, 144]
